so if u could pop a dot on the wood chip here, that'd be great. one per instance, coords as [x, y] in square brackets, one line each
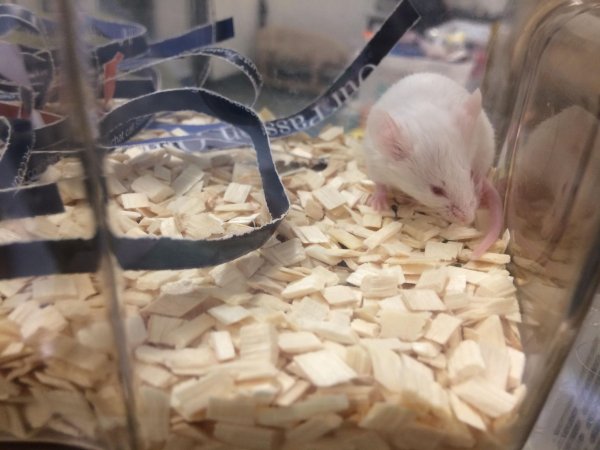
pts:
[298, 342]
[407, 326]
[222, 345]
[324, 368]
[342, 296]
[227, 314]
[190, 398]
[385, 233]
[348, 329]
[442, 327]
[465, 362]
[305, 286]
[155, 189]
[423, 300]
[444, 251]
[135, 200]
[237, 193]
[329, 197]
[237, 410]
[380, 285]
[485, 396]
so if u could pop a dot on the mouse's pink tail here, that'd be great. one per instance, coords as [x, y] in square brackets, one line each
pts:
[494, 203]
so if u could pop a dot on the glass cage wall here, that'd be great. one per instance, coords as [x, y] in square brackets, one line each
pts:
[174, 300]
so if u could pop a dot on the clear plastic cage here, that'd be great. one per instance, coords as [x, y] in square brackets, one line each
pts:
[189, 258]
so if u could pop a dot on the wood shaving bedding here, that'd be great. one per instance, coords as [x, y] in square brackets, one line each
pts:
[349, 329]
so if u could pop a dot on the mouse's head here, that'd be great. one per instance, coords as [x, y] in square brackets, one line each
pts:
[430, 151]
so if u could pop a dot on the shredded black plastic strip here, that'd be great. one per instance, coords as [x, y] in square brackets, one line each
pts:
[30, 201]
[48, 257]
[18, 143]
[119, 126]
[335, 97]
[17, 201]
[166, 253]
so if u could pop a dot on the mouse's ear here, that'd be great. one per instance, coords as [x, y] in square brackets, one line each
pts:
[468, 114]
[389, 136]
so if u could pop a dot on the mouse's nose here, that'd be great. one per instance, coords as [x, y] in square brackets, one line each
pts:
[461, 216]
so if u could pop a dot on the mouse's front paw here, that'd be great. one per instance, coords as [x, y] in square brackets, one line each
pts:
[379, 199]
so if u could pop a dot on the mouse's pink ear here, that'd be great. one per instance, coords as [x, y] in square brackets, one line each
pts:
[468, 114]
[389, 137]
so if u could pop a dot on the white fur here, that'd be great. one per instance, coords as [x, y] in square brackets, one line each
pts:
[426, 105]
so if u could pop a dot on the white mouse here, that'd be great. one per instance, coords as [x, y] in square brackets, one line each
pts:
[428, 137]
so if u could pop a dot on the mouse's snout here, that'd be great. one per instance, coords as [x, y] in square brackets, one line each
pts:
[464, 215]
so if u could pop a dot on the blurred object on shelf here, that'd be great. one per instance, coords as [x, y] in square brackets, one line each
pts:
[309, 67]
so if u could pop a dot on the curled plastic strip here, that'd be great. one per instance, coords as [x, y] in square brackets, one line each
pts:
[119, 125]
[203, 137]
[15, 200]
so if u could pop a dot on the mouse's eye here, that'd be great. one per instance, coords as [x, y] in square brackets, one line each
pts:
[440, 192]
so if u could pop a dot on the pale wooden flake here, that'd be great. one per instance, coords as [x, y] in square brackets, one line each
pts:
[444, 251]
[372, 221]
[236, 410]
[442, 327]
[423, 300]
[497, 363]
[465, 362]
[386, 367]
[189, 331]
[170, 228]
[364, 328]
[293, 393]
[237, 193]
[222, 345]
[456, 232]
[154, 280]
[298, 342]
[228, 274]
[8, 288]
[421, 230]
[341, 295]
[187, 179]
[191, 397]
[134, 200]
[160, 326]
[426, 349]
[248, 437]
[285, 254]
[329, 197]
[52, 288]
[153, 414]
[517, 367]
[386, 417]
[385, 233]
[173, 305]
[155, 189]
[228, 314]
[435, 279]
[496, 286]
[491, 331]
[311, 235]
[408, 326]
[313, 429]
[155, 375]
[485, 396]
[258, 341]
[380, 285]
[305, 286]
[324, 368]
